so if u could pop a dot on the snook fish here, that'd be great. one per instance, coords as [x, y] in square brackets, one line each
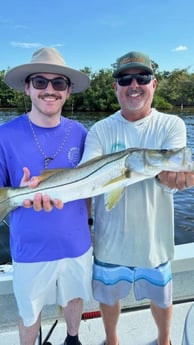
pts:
[108, 174]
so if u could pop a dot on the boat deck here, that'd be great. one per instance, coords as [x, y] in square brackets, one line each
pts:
[134, 328]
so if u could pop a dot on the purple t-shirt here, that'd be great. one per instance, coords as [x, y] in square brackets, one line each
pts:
[44, 236]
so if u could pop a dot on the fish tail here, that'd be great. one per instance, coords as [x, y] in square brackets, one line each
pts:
[5, 206]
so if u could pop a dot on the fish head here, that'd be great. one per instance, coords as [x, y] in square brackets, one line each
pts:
[152, 161]
[136, 161]
[170, 160]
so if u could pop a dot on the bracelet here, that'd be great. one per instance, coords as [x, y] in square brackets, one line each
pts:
[90, 221]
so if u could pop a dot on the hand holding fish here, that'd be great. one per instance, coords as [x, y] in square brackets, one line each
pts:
[178, 180]
[40, 201]
[109, 175]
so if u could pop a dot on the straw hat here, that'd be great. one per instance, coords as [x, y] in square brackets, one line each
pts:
[46, 60]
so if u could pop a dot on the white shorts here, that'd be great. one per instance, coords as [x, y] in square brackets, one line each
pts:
[54, 282]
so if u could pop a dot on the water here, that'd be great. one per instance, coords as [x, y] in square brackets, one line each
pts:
[184, 200]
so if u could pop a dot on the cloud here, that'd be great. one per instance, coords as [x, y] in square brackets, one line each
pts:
[180, 48]
[57, 45]
[4, 21]
[28, 45]
[25, 44]
[20, 26]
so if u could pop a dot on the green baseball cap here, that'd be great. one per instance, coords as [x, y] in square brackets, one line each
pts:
[132, 60]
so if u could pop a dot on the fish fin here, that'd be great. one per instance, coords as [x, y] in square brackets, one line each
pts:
[125, 175]
[5, 206]
[112, 198]
[45, 174]
[92, 160]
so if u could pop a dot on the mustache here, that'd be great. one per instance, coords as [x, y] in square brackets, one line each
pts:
[47, 94]
[136, 90]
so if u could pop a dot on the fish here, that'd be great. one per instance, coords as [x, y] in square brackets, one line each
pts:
[108, 174]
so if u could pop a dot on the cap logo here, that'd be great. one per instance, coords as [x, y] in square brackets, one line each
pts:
[127, 60]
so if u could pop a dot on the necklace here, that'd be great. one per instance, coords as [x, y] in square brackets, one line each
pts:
[47, 158]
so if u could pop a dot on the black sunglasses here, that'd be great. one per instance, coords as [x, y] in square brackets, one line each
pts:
[41, 83]
[141, 79]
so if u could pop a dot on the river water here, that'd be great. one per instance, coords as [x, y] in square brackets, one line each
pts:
[184, 200]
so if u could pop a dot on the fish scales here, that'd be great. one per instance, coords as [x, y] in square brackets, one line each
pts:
[109, 174]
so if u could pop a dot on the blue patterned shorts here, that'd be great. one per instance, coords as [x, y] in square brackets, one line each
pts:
[113, 282]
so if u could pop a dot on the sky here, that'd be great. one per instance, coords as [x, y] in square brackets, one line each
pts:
[94, 33]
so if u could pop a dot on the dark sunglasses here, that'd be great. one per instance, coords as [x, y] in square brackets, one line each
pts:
[41, 83]
[141, 79]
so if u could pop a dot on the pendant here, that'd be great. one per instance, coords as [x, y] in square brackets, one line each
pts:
[46, 161]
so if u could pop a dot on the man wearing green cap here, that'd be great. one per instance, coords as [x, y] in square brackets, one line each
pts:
[134, 242]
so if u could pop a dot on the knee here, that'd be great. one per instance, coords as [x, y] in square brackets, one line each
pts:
[75, 301]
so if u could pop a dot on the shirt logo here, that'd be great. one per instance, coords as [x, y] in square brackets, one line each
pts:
[74, 156]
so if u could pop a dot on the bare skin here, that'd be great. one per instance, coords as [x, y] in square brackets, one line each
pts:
[110, 315]
[40, 201]
[72, 314]
[162, 319]
[179, 180]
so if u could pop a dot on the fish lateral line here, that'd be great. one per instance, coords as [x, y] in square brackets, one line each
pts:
[51, 173]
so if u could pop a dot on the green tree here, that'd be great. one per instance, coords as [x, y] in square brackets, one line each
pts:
[174, 88]
[177, 87]
[6, 94]
[100, 95]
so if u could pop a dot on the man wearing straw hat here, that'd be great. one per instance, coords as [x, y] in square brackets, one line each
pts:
[51, 251]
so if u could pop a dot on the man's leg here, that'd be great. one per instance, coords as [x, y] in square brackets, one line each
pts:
[110, 315]
[73, 314]
[29, 334]
[162, 318]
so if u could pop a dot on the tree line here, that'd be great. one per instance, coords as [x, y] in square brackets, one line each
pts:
[174, 88]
